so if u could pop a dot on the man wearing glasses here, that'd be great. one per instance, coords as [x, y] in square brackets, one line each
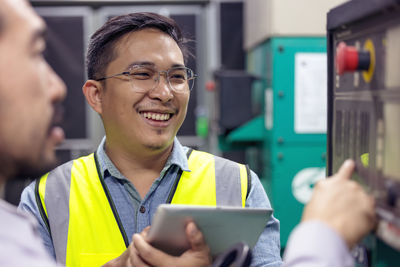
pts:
[94, 210]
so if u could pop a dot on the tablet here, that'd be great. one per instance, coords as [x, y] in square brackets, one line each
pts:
[222, 227]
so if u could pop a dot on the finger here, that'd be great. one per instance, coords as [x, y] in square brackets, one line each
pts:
[366, 205]
[375, 223]
[371, 208]
[195, 237]
[151, 255]
[369, 222]
[137, 261]
[346, 170]
[145, 231]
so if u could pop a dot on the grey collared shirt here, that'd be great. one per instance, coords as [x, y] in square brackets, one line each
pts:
[20, 244]
[137, 213]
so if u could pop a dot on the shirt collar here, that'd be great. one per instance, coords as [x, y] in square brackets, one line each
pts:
[177, 157]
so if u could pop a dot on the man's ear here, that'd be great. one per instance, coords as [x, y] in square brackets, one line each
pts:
[93, 91]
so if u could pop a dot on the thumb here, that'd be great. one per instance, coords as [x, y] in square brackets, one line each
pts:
[195, 237]
[145, 232]
[346, 170]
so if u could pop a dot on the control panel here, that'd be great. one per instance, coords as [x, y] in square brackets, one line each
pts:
[364, 102]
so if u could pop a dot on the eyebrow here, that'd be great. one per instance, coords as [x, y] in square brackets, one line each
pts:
[149, 64]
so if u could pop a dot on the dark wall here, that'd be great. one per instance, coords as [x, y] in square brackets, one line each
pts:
[231, 21]
[188, 26]
[232, 52]
[65, 53]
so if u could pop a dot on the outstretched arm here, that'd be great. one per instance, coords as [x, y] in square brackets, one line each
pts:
[338, 216]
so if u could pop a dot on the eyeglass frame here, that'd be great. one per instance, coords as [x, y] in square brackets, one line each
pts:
[159, 72]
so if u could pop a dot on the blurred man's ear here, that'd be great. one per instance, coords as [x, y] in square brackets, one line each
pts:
[93, 91]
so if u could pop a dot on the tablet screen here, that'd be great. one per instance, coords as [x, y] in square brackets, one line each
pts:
[222, 227]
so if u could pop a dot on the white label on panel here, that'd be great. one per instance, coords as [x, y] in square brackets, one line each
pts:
[310, 88]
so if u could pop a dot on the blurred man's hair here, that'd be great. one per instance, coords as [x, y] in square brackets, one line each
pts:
[101, 46]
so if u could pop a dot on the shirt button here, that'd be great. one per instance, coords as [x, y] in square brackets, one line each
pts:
[142, 209]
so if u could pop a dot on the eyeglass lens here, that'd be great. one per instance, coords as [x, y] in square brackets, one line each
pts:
[144, 78]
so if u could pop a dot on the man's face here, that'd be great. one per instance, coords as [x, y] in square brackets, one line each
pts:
[29, 89]
[130, 117]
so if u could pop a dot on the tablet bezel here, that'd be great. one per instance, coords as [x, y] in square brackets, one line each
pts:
[221, 226]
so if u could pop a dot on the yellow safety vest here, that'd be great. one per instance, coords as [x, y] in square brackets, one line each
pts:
[83, 222]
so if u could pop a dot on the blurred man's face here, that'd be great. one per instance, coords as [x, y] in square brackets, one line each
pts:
[29, 89]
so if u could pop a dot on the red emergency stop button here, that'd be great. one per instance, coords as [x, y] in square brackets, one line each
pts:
[349, 59]
[210, 86]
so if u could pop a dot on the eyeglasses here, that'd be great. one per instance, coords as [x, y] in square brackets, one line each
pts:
[146, 78]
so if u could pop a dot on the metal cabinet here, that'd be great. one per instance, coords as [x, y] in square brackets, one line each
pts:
[292, 148]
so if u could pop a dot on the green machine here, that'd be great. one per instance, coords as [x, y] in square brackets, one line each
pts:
[291, 97]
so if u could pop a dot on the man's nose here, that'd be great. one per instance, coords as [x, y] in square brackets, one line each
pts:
[57, 86]
[162, 90]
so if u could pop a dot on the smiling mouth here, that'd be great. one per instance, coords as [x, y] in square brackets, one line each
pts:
[156, 116]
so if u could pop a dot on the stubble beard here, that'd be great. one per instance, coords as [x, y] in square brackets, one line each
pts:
[41, 164]
[162, 145]
[34, 169]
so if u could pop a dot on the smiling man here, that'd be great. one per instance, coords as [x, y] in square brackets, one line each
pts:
[94, 210]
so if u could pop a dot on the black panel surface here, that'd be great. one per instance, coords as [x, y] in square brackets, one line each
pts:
[65, 53]
[357, 9]
[232, 52]
[188, 26]
[235, 106]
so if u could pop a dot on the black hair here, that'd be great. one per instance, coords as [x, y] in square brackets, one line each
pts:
[101, 46]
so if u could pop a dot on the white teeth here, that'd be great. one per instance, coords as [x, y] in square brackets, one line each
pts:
[156, 116]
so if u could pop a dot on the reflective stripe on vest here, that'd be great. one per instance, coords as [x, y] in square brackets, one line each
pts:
[83, 222]
[212, 181]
